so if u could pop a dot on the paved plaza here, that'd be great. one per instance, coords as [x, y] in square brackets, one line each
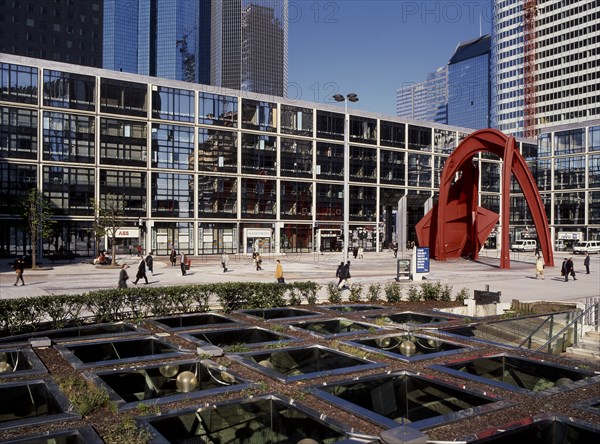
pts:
[517, 283]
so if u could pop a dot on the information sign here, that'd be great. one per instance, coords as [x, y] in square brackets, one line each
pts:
[422, 261]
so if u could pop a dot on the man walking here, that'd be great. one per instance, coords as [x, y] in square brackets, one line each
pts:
[279, 272]
[224, 261]
[150, 263]
[141, 272]
[19, 269]
[183, 263]
[339, 273]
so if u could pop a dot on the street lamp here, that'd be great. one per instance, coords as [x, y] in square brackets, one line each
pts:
[351, 97]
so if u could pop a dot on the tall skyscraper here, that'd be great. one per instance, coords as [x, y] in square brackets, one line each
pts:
[160, 38]
[425, 100]
[545, 64]
[62, 30]
[469, 84]
[249, 41]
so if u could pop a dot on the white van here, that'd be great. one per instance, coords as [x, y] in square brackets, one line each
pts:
[524, 245]
[590, 247]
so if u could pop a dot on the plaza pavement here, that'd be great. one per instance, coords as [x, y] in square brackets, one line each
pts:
[517, 283]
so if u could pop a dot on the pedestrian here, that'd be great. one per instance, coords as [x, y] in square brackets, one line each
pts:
[139, 250]
[141, 272]
[183, 263]
[571, 268]
[346, 273]
[563, 269]
[586, 262]
[150, 263]
[279, 272]
[173, 257]
[355, 252]
[539, 268]
[258, 261]
[395, 248]
[123, 276]
[19, 269]
[361, 252]
[339, 272]
[224, 261]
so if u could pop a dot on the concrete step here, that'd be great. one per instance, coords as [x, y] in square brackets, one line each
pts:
[582, 353]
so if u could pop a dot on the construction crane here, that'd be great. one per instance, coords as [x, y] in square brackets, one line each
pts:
[529, 69]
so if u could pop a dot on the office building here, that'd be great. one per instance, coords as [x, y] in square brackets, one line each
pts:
[427, 101]
[208, 171]
[469, 84]
[62, 30]
[545, 60]
[249, 45]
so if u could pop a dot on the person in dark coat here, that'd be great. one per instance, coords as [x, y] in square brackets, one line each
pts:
[19, 269]
[571, 268]
[586, 263]
[173, 257]
[339, 272]
[123, 276]
[141, 272]
[150, 263]
[563, 269]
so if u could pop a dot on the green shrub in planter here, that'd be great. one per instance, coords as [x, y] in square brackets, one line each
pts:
[393, 292]
[373, 293]
[334, 294]
[413, 294]
[356, 292]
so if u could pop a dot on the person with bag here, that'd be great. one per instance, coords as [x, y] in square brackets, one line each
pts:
[19, 269]
[141, 272]
[279, 272]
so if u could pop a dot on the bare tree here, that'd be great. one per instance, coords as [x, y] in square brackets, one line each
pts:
[36, 212]
[110, 216]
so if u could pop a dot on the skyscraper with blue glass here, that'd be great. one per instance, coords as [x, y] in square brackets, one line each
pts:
[469, 84]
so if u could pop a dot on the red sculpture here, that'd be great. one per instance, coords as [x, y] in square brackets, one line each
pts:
[456, 226]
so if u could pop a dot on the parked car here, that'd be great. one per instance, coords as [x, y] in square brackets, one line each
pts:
[590, 247]
[524, 245]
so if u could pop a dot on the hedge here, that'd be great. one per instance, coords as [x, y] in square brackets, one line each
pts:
[25, 315]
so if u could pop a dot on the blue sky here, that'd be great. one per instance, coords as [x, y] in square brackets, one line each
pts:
[373, 47]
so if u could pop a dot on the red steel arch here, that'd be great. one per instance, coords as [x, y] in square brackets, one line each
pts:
[456, 225]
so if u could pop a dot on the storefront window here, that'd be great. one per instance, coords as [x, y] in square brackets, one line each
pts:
[217, 238]
[168, 235]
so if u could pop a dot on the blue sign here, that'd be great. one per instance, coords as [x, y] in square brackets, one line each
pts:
[422, 260]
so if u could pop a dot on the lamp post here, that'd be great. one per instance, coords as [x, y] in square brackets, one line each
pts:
[350, 97]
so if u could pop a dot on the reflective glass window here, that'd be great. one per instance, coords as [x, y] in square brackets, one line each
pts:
[123, 142]
[259, 115]
[444, 141]
[259, 198]
[69, 137]
[363, 130]
[296, 200]
[391, 167]
[119, 97]
[529, 151]
[490, 176]
[217, 196]
[419, 138]
[594, 207]
[594, 138]
[569, 173]
[569, 142]
[594, 171]
[330, 125]
[216, 109]
[259, 154]
[68, 90]
[217, 151]
[215, 238]
[18, 83]
[569, 208]
[544, 145]
[296, 120]
[363, 203]
[363, 164]
[15, 182]
[172, 104]
[69, 190]
[519, 211]
[419, 170]
[438, 169]
[296, 158]
[127, 186]
[330, 161]
[172, 195]
[172, 146]
[18, 133]
[544, 174]
[491, 202]
[393, 134]
[330, 202]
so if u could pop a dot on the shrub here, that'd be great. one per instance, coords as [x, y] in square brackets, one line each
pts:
[446, 293]
[295, 297]
[413, 294]
[356, 290]
[393, 292]
[373, 292]
[334, 294]
[462, 295]
[430, 291]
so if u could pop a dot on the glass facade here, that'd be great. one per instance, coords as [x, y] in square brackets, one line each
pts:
[469, 92]
[200, 173]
